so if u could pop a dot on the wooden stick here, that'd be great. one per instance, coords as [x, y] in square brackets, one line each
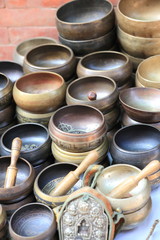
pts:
[132, 182]
[11, 173]
[72, 177]
[153, 228]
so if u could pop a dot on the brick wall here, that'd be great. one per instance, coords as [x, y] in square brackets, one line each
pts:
[22, 19]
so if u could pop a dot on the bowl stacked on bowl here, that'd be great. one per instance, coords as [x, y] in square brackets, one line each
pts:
[75, 130]
[86, 26]
[138, 27]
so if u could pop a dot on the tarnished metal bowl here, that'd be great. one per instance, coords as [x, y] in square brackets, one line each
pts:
[11, 70]
[139, 18]
[82, 20]
[141, 104]
[25, 46]
[111, 64]
[5, 91]
[77, 128]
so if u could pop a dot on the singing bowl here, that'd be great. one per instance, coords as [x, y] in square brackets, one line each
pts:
[5, 91]
[77, 128]
[82, 47]
[136, 145]
[127, 121]
[7, 115]
[139, 18]
[97, 91]
[12, 70]
[24, 180]
[148, 72]
[3, 129]
[76, 21]
[141, 104]
[34, 221]
[139, 47]
[55, 58]
[40, 92]
[111, 64]
[36, 143]
[47, 179]
[64, 156]
[112, 118]
[138, 83]
[25, 46]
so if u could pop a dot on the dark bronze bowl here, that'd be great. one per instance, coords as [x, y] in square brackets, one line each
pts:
[85, 19]
[34, 221]
[141, 104]
[36, 143]
[11, 69]
[51, 57]
[5, 91]
[7, 115]
[111, 64]
[136, 145]
[24, 181]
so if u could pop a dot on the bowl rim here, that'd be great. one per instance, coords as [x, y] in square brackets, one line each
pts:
[26, 61]
[8, 82]
[75, 23]
[114, 143]
[19, 125]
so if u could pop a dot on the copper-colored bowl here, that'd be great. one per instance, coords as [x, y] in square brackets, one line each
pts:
[55, 58]
[77, 128]
[141, 104]
[40, 92]
[111, 64]
[5, 91]
[76, 21]
[148, 72]
[34, 221]
[11, 69]
[25, 46]
[7, 115]
[82, 47]
[139, 18]
[139, 47]
[97, 91]
[136, 145]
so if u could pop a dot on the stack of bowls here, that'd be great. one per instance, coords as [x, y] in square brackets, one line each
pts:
[75, 130]
[148, 71]
[7, 107]
[86, 26]
[138, 28]
[38, 95]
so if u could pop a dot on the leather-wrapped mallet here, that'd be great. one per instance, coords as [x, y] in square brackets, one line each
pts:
[11, 172]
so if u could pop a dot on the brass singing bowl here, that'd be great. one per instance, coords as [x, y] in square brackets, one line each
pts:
[11, 70]
[55, 58]
[148, 72]
[139, 18]
[25, 46]
[77, 128]
[141, 104]
[138, 83]
[7, 115]
[5, 91]
[42, 92]
[139, 47]
[97, 91]
[136, 145]
[76, 21]
[111, 64]
[34, 221]
[112, 118]
[47, 179]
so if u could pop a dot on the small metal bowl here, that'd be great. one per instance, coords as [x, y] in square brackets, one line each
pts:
[36, 143]
[5, 91]
[141, 104]
[12, 70]
[34, 221]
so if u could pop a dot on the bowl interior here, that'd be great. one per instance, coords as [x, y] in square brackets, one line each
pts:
[3, 81]
[79, 12]
[32, 220]
[22, 174]
[78, 119]
[103, 87]
[38, 83]
[104, 61]
[137, 138]
[49, 56]
[11, 69]
[141, 10]
[141, 99]
[32, 136]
